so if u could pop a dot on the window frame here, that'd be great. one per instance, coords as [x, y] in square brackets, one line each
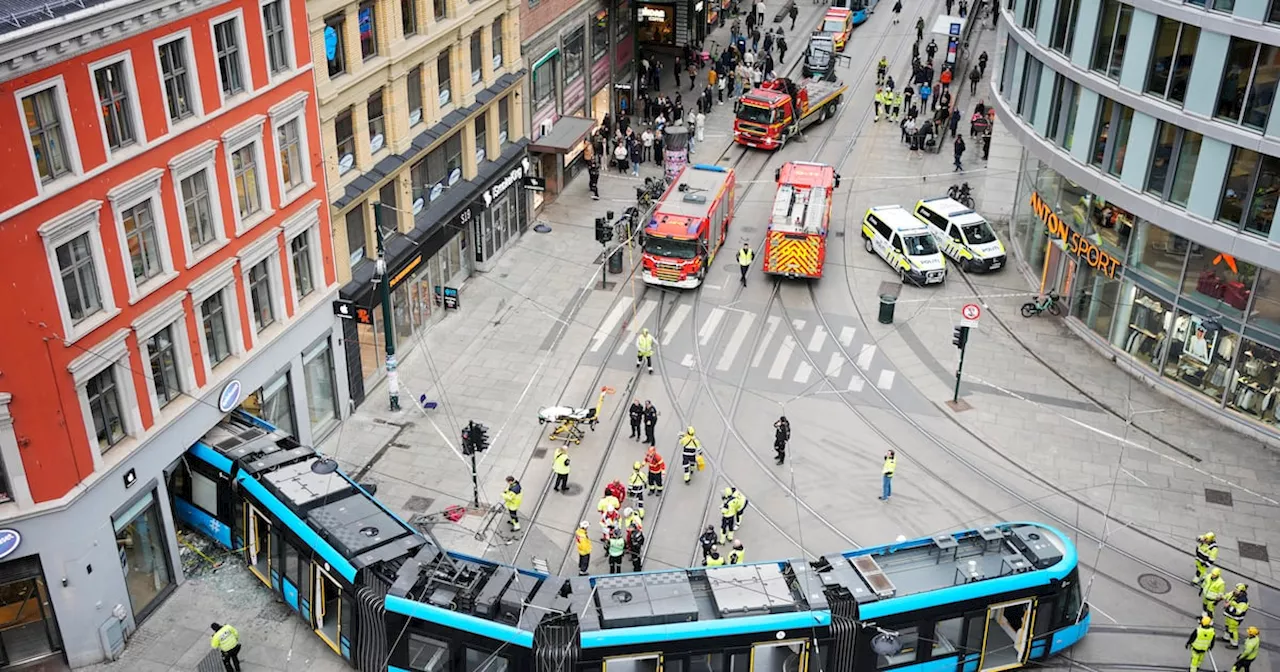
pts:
[350, 112]
[421, 108]
[264, 250]
[1069, 37]
[1238, 120]
[1173, 62]
[305, 224]
[504, 122]
[475, 50]
[110, 355]
[444, 88]
[192, 73]
[83, 219]
[220, 282]
[577, 33]
[1105, 69]
[381, 98]
[248, 134]
[406, 26]
[169, 314]
[550, 78]
[497, 40]
[124, 198]
[372, 6]
[339, 24]
[201, 158]
[480, 133]
[75, 169]
[134, 113]
[1246, 203]
[291, 110]
[246, 73]
[1030, 15]
[286, 38]
[1165, 193]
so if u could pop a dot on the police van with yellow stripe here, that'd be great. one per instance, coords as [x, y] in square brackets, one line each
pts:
[962, 234]
[906, 244]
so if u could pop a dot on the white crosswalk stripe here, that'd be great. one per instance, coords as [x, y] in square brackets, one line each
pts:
[855, 383]
[735, 341]
[709, 327]
[784, 357]
[798, 324]
[846, 336]
[673, 325]
[637, 322]
[773, 323]
[886, 379]
[835, 366]
[606, 328]
[818, 340]
[865, 357]
[803, 372]
[688, 361]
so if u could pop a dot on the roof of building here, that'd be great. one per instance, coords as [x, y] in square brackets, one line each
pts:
[18, 14]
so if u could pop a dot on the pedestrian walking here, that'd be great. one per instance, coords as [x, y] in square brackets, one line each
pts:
[582, 540]
[781, 435]
[636, 413]
[690, 452]
[227, 641]
[931, 49]
[907, 94]
[964, 9]
[897, 11]
[1206, 555]
[1200, 642]
[950, 3]
[1233, 614]
[982, 61]
[898, 99]
[720, 88]
[959, 152]
[650, 422]
[760, 12]
[708, 540]
[919, 29]
[1250, 651]
[636, 486]
[1212, 590]
[974, 76]
[738, 555]
[782, 47]
[637, 155]
[511, 498]
[745, 257]
[635, 546]
[792, 14]
[728, 516]
[882, 70]
[886, 475]
[986, 143]
[617, 545]
[593, 178]
[657, 471]
[945, 79]
[644, 349]
[925, 92]
[700, 121]
[954, 122]
[560, 465]
[679, 68]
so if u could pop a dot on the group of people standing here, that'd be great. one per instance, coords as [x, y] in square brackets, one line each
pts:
[1213, 591]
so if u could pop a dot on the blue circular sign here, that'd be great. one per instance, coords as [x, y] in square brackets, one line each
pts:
[230, 397]
[330, 42]
[9, 540]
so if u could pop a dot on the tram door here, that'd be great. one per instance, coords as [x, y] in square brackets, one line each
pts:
[788, 656]
[645, 662]
[1008, 635]
[259, 534]
[326, 601]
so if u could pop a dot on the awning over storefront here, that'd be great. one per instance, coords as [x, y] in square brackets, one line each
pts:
[564, 136]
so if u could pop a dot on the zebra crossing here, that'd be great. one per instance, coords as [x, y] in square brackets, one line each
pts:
[801, 354]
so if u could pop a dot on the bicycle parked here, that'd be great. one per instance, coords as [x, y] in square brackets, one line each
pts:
[961, 193]
[1047, 304]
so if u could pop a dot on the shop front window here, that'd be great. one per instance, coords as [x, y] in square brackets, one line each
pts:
[1220, 282]
[1109, 225]
[544, 83]
[1143, 324]
[30, 630]
[573, 46]
[371, 347]
[1200, 354]
[1096, 304]
[1253, 387]
[656, 24]
[599, 37]
[1264, 316]
[140, 543]
[317, 370]
[1158, 254]
[274, 403]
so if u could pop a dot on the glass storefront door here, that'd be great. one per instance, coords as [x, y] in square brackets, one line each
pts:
[144, 555]
[28, 628]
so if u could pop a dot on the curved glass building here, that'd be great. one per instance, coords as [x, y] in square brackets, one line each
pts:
[1149, 182]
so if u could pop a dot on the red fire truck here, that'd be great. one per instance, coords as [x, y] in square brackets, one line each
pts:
[796, 245]
[688, 226]
[772, 113]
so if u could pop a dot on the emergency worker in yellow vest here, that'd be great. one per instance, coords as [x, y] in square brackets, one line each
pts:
[886, 475]
[1212, 590]
[738, 555]
[745, 257]
[560, 467]
[690, 451]
[1200, 641]
[1250, 651]
[644, 349]
[511, 498]
[1206, 555]
[636, 485]
[714, 559]
[728, 516]
[1233, 614]
[226, 640]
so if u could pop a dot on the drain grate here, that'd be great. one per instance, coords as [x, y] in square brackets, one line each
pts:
[1254, 552]
[1218, 497]
[539, 453]
[418, 504]
[1153, 583]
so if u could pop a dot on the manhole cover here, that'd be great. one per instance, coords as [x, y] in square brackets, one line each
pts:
[418, 504]
[1220, 497]
[1154, 584]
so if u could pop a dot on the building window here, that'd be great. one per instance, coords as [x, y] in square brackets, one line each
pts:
[1062, 111]
[1248, 83]
[44, 128]
[477, 58]
[226, 41]
[504, 123]
[1010, 57]
[79, 277]
[217, 341]
[599, 35]
[290, 145]
[335, 44]
[1032, 13]
[621, 26]
[141, 239]
[1113, 35]
[1175, 154]
[453, 159]
[300, 256]
[387, 197]
[409, 17]
[105, 407]
[414, 84]
[1171, 58]
[573, 47]
[344, 130]
[1064, 25]
[482, 136]
[273, 26]
[164, 366]
[1028, 96]
[317, 371]
[497, 44]
[113, 101]
[356, 236]
[197, 206]
[443, 68]
[1273, 14]
[1111, 136]
[176, 78]
[377, 125]
[1249, 195]
[244, 169]
[544, 83]
[368, 19]
[440, 8]
[1120, 141]
[264, 314]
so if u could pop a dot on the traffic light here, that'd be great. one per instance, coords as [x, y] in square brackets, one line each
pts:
[959, 337]
[604, 231]
[468, 448]
[479, 437]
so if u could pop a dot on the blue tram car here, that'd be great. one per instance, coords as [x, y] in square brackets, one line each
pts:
[385, 597]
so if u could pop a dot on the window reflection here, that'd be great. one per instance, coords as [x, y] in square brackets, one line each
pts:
[1158, 253]
[1171, 60]
[1103, 132]
[1248, 83]
[1236, 191]
[1218, 281]
[1120, 143]
[1262, 204]
[1200, 353]
[1263, 92]
[1265, 313]
[1235, 78]
[1253, 385]
[1188, 155]
[1161, 157]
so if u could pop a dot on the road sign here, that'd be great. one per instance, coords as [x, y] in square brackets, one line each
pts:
[970, 314]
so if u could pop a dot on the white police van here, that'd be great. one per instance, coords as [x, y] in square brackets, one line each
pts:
[904, 243]
[962, 234]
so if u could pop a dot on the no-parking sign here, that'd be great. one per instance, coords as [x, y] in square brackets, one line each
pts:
[969, 314]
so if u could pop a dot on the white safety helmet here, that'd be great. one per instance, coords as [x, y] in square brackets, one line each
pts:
[626, 513]
[584, 525]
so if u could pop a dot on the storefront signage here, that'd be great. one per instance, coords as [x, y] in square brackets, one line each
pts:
[130, 477]
[534, 183]
[404, 272]
[344, 309]
[501, 186]
[651, 14]
[450, 298]
[1073, 241]
[230, 397]
[697, 7]
[9, 541]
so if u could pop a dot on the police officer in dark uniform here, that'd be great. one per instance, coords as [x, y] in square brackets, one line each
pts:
[650, 422]
[781, 434]
[636, 413]
[593, 178]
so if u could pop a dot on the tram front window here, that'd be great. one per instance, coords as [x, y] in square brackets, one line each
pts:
[660, 246]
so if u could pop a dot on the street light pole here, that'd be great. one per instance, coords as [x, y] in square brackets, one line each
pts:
[382, 277]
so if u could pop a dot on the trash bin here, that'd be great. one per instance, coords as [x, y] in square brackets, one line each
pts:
[887, 302]
[615, 261]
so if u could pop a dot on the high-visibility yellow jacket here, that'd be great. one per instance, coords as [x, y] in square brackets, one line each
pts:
[225, 639]
[583, 541]
[890, 466]
[561, 465]
[512, 496]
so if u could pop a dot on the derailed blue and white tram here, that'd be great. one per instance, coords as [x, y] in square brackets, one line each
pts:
[386, 598]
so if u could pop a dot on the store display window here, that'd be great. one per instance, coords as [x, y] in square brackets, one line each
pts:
[1220, 282]
[1147, 320]
[1253, 387]
[1264, 314]
[656, 24]
[1158, 254]
[1200, 352]
[1108, 225]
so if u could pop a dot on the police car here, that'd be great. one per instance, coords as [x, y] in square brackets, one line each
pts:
[904, 243]
[962, 234]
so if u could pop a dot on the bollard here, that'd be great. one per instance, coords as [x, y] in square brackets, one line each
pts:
[887, 303]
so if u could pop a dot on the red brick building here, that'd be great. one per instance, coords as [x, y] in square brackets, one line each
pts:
[167, 257]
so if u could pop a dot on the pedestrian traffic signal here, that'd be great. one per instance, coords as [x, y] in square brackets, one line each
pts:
[468, 445]
[959, 337]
